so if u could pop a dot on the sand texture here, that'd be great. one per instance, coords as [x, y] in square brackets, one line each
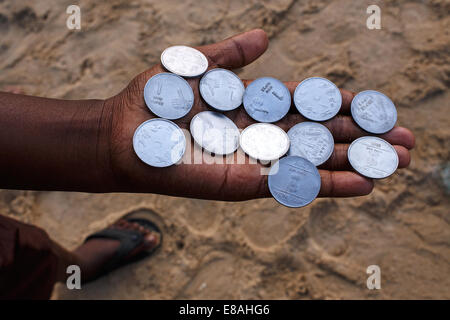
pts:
[256, 249]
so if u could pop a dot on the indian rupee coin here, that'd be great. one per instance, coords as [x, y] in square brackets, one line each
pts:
[214, 132]
[168, 96]
[184, 61]
[373, 157]
[159, 142]
[374, 111]
[294, 181]
[264, 141]
[222, 89]
[267, 99]
[312, 141]
[317, 99]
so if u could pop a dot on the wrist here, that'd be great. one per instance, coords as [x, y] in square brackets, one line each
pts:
[105, 126]
[122, 171]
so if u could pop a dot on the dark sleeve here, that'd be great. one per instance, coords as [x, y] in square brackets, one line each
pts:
[28, 265]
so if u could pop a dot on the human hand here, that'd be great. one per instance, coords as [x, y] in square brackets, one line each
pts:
[222, 181]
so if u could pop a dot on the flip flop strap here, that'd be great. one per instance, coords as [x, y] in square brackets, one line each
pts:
[129, 239]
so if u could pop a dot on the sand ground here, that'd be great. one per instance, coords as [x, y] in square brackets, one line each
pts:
[256, 249]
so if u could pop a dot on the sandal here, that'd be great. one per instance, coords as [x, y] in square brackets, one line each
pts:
[129, 239]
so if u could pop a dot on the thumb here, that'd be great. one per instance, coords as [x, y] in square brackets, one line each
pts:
[236, 51]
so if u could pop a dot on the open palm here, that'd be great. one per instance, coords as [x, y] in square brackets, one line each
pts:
[222, 181]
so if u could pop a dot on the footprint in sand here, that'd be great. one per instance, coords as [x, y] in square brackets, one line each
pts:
[221, 276]
[326, 227]
[266, 225]
[200, 216]
[152, 215]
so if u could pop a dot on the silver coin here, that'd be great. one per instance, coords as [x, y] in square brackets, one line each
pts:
[159, 142]
[373, 157]
[373, 111]
[222, 89]
[267, 100]
[312, 141]
[294, 181]
[184, 61]
[264, 141]
[317, 99]
[215, 132]
[168, 96]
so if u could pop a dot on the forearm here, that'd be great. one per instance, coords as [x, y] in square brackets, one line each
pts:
[49, 144]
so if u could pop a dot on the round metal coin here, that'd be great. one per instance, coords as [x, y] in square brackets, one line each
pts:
[184, 61]
[312, 141]
[215, 132]
[264, 141]
[168, 96]
[294, 181]
[373, 111]
[317, 99]
[267, 100]
[159, 142]
[222, 89]
[373, 157]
